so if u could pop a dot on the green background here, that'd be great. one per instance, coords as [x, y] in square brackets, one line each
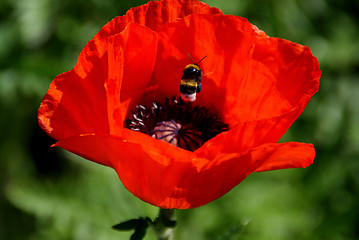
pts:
[47, 193]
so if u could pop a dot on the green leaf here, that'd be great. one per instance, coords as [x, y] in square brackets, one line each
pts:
[140, 231]
[128, 225]
[139, 234]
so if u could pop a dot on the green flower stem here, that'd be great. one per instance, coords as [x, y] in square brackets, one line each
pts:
[164, 224]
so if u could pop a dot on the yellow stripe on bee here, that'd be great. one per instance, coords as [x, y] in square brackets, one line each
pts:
[194, 66]
[189, 82]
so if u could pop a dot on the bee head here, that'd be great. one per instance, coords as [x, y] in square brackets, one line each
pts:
[192, 71]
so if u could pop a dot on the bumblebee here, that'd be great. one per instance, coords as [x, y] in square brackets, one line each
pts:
[191, 81]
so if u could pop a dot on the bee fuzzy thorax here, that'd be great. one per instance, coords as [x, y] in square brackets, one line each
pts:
[195, 66]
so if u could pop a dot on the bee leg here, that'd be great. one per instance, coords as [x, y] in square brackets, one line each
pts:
[199, 87]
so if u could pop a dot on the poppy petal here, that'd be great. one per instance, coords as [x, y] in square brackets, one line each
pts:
[182, 180]
[160, 178]
[135, 48]
[248, 135]
[206, 184]
[148, 174]
[61, 114]
[293, 66]
[260, 113]
[283, 94]
[156, 13]
[206, 35]
[233, 82]
[241, 89]
[259, 33]
[288, 155]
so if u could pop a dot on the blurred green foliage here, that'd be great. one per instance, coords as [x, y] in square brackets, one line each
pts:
[47, 193]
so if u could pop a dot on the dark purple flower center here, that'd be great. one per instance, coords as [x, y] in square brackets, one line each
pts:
[176, 122]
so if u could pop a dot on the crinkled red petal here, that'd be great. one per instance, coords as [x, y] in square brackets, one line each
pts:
[289, 155]
[227, 42]
[182, 180]
[248, 135]
[242, 90]
[132, 55]
[156, 13]
[293, 66]
[60, 114]
[76, 100]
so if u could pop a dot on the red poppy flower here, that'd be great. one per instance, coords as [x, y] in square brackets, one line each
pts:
[254, 84]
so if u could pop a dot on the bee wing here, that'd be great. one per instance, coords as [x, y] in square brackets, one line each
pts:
[207, 74]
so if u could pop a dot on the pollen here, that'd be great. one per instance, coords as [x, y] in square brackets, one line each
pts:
[176, 122]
